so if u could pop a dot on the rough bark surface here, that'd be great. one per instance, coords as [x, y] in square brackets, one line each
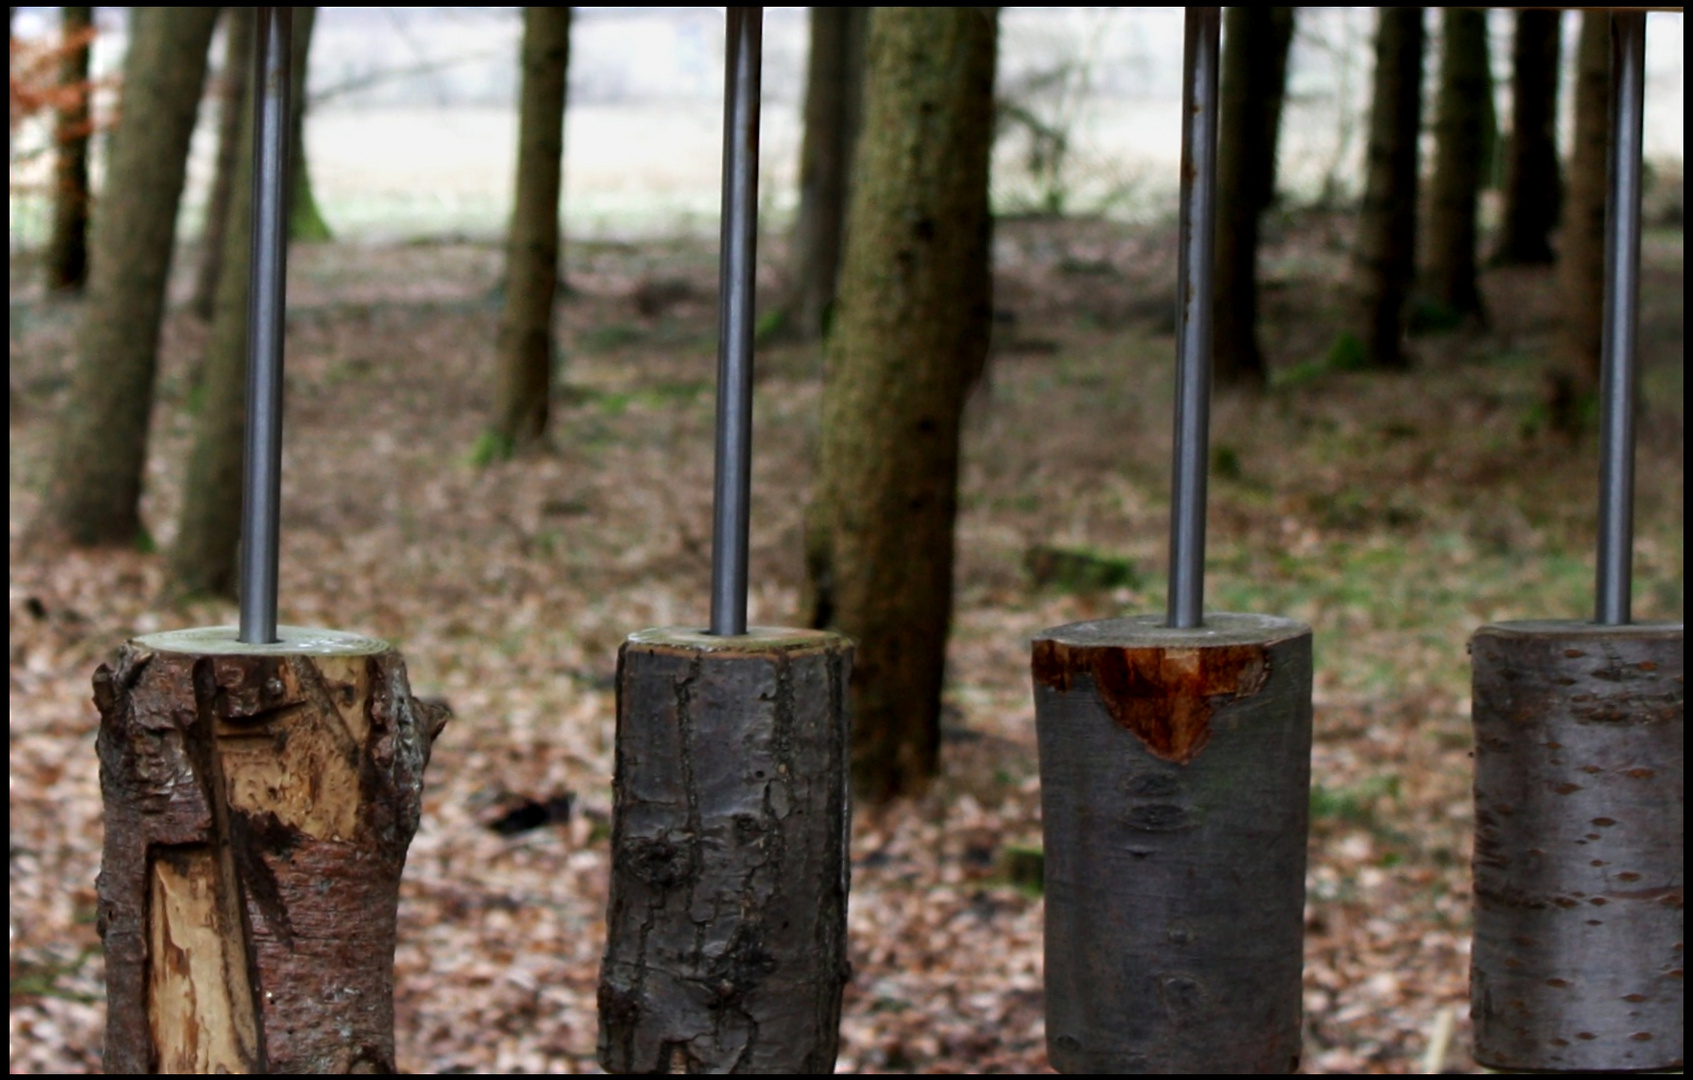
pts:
[1533, 187]
[1579, 856]
[833, 114]
[526, 326]
[726, 932]
[66, 256]
[908, 341]
[1460, 149]
[1386, 260]
[1175, 793]
[238, 29]
[94, 493]
[1255, 47]
[1581, 254]
[259, 801]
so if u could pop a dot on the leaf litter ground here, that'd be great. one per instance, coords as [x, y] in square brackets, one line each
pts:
[1392, 513]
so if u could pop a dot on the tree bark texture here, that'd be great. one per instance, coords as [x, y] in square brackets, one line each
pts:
[1579, 854]
[259, 800]
[1255, 47]
[94, 492]
[238, 29]
[526, 327]
[726, 932]
[305, 220]
[1532, 184]
[67, 245]
[208, 535]
[1175, 796]
[1581, 247]
[909, 339]
[1386, 261]
[834, 100]
[1460, 149]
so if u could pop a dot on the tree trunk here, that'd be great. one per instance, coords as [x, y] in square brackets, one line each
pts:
[259, 800]
[909, 339]
[1385, 262]
[208, 535]
[238, 29]
[833, 114]
[1581, 242]
[67, 246]
[726, 928]
[1255, 47]
[305, 221]
[526, 326]
[95, 488]
[1460, 151]
[1532, 185]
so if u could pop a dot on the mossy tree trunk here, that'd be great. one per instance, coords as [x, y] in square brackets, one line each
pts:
[1581, 242]
[305, 221]
[833, 114]
[94, 492]
[909, 339]
[1384, 264]
[1461, 138]
[67, 246]
[238, 30]
[1255, 46]
[526, 327]
[1532, 184]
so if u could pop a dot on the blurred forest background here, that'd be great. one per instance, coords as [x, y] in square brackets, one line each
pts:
[497, 459]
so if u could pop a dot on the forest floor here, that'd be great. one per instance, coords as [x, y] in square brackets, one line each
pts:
[1394, 513]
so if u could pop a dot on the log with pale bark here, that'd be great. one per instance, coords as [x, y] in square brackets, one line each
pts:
[259, 800]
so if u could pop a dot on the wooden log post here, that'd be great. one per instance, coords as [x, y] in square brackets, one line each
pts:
[1175, 798]
[259, 800]
[1578, 963]
[726, 930]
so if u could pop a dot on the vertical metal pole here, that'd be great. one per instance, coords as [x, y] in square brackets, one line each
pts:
[734, 347]
[1622, 305]
[1193, 327]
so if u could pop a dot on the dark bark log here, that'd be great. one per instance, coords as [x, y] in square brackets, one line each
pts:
[305, 220]
[1577, 963]
[238, 28]
[909, 339]
[1175, 796]
[259, 801]
[67, 245]
[1255, 48]
[1581, 240]
[525, 345]
[833, 114]
[1461, 137]
[1385, 265]
[1533, 187]
[726, 931]
[94, 492]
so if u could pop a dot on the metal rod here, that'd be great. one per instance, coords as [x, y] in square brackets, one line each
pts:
[733, 492]
[1193, 324]
[1622, 307]
[266, 297]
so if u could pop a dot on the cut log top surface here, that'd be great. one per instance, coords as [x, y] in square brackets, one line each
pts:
[1219, 628]
[1582, 628]
[757, 639]
[293, 641]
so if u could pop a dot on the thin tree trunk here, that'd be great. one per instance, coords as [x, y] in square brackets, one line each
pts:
[1581, 254]
[1461, 147]
[526, 327]
[1532, 185]
[1385, 262]
[833, 113]
[909, 340]
[95, 490]
[1255, 47]
[67, 247]
[237, 66]
[305, 221]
